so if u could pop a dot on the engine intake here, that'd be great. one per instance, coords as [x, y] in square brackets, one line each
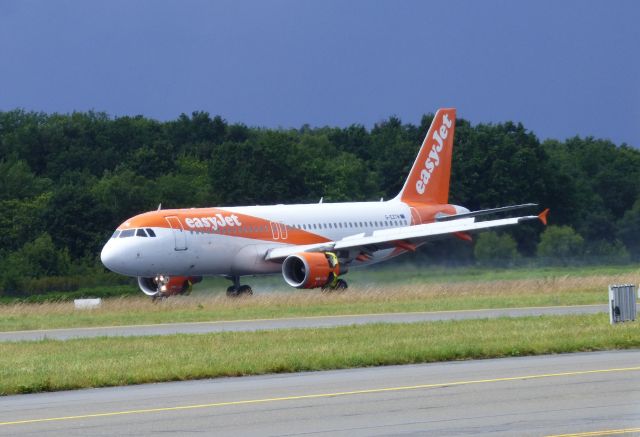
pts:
[310, 269]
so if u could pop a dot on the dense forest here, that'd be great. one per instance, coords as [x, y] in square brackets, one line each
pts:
[66, 181]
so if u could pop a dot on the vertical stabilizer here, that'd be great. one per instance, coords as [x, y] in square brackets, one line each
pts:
[428, 181]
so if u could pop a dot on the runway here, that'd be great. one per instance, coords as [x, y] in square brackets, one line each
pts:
[293, 322]
[544, 395]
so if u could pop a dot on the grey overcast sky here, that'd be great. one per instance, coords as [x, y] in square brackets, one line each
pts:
[560, 67]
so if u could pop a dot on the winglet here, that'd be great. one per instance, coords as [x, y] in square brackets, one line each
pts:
[543, 216]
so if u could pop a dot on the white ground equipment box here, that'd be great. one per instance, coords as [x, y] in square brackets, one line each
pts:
[622, 303]
[87, 304]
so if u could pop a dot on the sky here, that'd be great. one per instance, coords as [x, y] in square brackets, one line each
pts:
[561, 67]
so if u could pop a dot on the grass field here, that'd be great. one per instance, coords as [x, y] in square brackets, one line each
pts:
[400, 289]
[58, 365]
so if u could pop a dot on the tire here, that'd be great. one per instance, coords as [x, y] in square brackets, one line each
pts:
[341, 285]
[245, 290]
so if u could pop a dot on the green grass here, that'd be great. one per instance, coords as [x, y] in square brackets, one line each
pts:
[485, 289]
[59, 365]
[272, 307]
[106, 291]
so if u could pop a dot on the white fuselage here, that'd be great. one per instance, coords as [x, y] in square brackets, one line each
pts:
[192, 246]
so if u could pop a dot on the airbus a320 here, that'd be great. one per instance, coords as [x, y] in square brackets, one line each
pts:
[311, 245]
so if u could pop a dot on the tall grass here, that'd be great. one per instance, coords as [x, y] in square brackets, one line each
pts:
[281, 302]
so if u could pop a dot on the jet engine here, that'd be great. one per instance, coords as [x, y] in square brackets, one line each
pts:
[310, 269]
[163, 285]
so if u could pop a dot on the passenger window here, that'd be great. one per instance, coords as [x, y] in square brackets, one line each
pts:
[150, 232]
[115, 234]
[141, 233]
[127, 233]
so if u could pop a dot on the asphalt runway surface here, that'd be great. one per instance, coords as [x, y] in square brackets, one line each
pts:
[294, 322]
[545, 395]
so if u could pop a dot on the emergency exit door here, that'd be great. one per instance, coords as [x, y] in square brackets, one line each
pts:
[278, 231]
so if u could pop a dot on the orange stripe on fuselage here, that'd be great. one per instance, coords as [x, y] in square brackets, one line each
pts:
[220, 221]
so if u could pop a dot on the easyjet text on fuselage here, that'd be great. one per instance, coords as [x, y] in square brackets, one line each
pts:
[213, 222]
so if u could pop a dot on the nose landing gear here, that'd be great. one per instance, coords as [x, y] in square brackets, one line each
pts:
[237, 290]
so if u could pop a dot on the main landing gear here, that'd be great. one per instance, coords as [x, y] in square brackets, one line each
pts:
[237, 290]
[339, 285]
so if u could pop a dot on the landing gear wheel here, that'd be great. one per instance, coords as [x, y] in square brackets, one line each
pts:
[245, 290]
[158, 297]
[341, 285]
[236, 289]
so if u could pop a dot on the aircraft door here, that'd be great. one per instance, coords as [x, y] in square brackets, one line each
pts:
[279, 231]
[283, 231]
[274, 230]
[179, 234]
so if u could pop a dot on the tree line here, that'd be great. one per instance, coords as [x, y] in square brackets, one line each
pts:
[67, 180]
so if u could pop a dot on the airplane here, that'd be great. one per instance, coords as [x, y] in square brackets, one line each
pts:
[311, 245]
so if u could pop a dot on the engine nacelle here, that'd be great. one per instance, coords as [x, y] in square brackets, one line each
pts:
[310, 269]
[163, 285]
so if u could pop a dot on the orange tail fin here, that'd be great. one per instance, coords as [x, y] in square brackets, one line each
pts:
[428, 181]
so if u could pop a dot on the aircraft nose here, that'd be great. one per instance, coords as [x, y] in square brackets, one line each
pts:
[108, 256]
[114, 257]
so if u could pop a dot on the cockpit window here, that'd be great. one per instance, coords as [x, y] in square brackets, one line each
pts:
[127, 233]
[141, 233]
[115, 234]
[151, 233]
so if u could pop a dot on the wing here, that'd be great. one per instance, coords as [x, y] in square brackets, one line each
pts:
[406, 237]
